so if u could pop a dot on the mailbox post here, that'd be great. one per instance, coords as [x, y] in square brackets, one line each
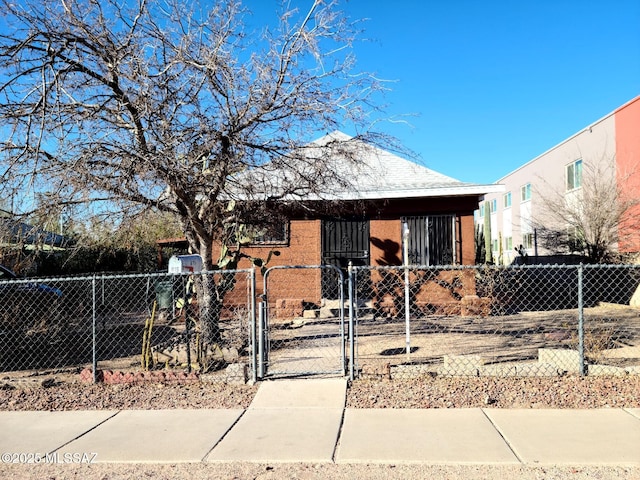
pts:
[192, 264]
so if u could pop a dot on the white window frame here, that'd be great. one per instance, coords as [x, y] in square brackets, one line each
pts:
[507, 200]
[527, 240]
[525, 192]
[508, 244]
[573, 175]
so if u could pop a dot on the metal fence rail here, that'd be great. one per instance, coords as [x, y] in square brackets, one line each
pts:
[380, 321]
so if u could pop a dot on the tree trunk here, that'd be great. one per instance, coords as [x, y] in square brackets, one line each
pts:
[209, 299]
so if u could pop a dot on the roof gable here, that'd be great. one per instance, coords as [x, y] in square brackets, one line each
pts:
[340, 167]
[382, 174]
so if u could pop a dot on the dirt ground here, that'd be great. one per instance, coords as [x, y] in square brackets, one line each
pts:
[246, 471]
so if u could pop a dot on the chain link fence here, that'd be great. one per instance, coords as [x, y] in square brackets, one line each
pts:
[497, 321]
[303, 323]
[126, 323]
[369, 321]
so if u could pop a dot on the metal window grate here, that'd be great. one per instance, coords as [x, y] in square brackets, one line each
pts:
[431, 239]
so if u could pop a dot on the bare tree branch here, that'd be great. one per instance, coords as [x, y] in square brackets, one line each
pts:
[157, 104]
[587, 219]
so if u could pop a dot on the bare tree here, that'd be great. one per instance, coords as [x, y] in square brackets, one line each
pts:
[131, 105]
[587, 219]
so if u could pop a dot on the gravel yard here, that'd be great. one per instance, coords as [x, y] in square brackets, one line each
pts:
[245, 471]
[67, 393]
[492, 392]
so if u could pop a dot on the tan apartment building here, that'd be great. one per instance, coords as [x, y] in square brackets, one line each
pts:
[609, 146]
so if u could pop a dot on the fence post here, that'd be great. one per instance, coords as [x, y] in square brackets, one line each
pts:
[252, 319]
[350, 283]
[261, 333]
[94, 359]
[407, 300]
[343, 342]
[581, 319]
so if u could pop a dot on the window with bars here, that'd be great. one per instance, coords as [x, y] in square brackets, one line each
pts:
[431, 239]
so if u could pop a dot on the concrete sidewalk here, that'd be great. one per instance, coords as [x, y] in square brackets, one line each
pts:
[306, 421]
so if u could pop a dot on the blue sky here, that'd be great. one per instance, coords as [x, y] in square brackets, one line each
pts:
[493, 84]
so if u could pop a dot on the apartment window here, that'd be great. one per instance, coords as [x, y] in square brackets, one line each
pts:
[507, 200]
[525, 192]
[575, 239]
[508, 243]
[493, 205]
[494, 245]
[574, 175]
[481, 210]
[527, 240]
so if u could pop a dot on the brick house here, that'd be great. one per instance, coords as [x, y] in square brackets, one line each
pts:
[366, 225]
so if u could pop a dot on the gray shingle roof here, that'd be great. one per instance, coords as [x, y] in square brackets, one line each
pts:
[382, 174]
[339, 167]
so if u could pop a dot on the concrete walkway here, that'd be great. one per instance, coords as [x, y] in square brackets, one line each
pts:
[306, 421]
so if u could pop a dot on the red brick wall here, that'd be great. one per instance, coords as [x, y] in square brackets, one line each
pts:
[303, 248]
[465, 232]
[441, 292]
[303, 286]
[385, 242]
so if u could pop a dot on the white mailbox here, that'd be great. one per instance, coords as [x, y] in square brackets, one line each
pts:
[185, 264]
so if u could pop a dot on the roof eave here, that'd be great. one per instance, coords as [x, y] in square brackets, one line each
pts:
[451, 191]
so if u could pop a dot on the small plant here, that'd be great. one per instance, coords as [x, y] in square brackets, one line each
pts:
[596, 341]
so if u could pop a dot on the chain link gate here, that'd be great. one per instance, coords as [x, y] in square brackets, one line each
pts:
[301, 324]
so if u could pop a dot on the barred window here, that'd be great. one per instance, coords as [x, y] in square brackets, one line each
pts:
[431, 239]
